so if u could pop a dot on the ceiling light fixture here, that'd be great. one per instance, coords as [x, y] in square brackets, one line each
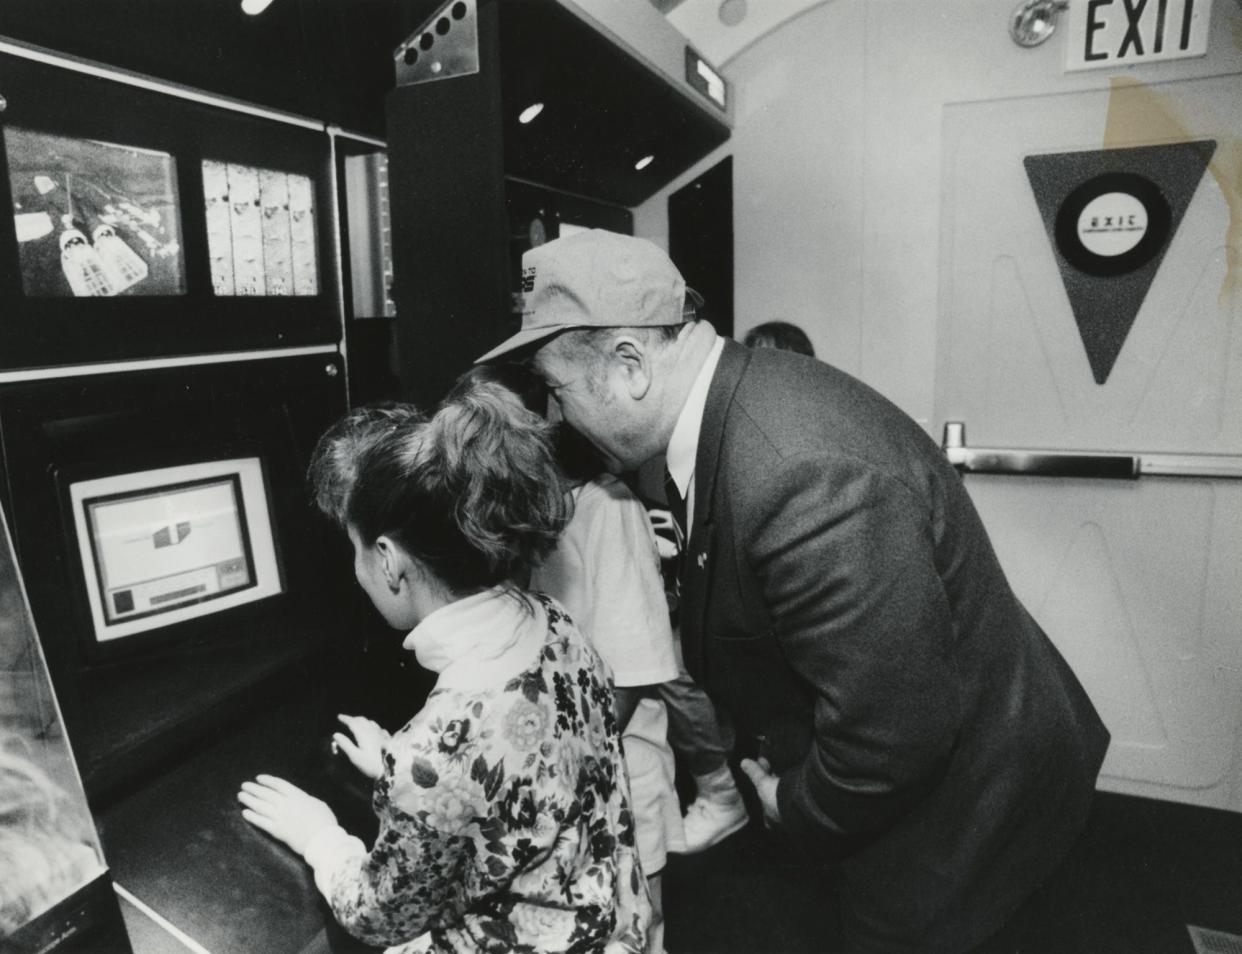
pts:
[1034, 21]
[254, 7]
[732, 12]
[529, 113]
[643, 163]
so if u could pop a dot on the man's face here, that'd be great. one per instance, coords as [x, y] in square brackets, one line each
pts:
[590, 396]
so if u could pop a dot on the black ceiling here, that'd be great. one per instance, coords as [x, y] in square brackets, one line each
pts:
[603, 109]
[327, 59]
[332, 60]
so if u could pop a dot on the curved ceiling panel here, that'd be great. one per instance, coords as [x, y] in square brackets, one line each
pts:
[721, 29]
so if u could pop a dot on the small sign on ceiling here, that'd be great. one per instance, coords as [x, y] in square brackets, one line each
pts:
[705, 79]
[1113, 33]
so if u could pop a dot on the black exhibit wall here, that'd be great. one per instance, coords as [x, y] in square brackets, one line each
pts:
[446, 189]
[538, 214]
[327, 59]
[153, 695]
[700, 240]
[473, 184]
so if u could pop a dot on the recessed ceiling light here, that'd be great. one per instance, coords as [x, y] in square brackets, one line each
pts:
[644, 162]
[254, 7]
[530, 112]
[732, 12]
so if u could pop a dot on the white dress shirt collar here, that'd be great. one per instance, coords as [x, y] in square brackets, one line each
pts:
[683, 446]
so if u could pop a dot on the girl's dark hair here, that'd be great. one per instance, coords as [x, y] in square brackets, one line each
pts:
[473, 494]
[333, 469]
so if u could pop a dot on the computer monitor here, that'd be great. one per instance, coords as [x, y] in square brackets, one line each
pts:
[94, 218]
[171, 545]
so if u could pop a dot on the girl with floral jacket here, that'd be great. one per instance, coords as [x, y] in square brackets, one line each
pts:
[503, 806]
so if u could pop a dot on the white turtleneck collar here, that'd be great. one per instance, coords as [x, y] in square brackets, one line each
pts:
[480, 640]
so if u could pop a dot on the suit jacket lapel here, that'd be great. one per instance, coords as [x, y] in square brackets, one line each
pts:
[697, 569]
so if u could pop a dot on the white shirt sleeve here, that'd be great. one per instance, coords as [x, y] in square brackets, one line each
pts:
[329, 848]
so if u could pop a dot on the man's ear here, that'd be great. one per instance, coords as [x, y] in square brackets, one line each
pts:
[635, 363]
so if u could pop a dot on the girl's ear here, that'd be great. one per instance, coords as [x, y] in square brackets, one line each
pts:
[392, 563]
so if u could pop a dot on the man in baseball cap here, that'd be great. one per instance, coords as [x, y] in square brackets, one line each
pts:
[595, 279]
[902, 711]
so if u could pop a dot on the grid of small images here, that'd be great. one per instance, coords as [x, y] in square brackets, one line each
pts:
[260, 230]
[94, 218]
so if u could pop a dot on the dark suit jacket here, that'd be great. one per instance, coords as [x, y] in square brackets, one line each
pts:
[842, 602]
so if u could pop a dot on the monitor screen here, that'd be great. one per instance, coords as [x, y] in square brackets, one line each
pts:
[93, 218]
[164, 546]
[261, 234]
[369, 227]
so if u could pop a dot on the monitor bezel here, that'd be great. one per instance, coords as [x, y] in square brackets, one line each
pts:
[203, 623]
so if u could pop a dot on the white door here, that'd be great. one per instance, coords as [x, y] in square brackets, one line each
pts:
[1138, 581]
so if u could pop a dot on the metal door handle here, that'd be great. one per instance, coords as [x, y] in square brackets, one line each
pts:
[1111, 466]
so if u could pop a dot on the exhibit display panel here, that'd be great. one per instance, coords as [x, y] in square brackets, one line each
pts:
[149, 222]
[174, 565]
[55, 894]
[363, 173]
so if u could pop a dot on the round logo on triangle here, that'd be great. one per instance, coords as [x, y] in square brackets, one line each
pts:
[1112, 224]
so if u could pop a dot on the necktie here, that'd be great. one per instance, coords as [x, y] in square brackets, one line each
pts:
[672, 581]
[677, 508]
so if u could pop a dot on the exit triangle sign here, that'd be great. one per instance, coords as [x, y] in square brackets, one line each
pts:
[1110, 215]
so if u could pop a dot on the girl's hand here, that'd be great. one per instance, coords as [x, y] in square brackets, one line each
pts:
[364, 746]
[284, 811]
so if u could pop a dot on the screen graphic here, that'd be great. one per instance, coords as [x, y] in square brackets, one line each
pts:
[260, 230]
[93, 218]
[168, 546]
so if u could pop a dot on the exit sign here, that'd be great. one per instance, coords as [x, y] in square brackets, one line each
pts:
[1113, 33]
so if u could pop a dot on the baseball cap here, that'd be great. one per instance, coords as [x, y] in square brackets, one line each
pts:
[595, 279]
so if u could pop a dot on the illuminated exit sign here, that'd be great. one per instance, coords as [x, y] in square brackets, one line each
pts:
[1113, 33]
[706, 80]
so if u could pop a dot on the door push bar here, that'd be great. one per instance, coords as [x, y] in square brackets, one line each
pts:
[1042, 463]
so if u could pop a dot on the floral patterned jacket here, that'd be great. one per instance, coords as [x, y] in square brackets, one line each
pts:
[505, 823]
